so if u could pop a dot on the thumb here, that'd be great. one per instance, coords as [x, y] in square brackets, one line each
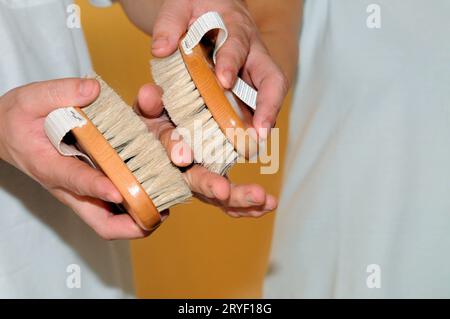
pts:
[40, 98]
[172, 22]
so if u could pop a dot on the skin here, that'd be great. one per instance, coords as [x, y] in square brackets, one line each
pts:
[86, 190]
[279, 24]
[244, 52]
[74, 183]
[236, 200]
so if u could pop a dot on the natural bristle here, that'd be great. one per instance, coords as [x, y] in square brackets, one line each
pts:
[187, 110]
[141, 151]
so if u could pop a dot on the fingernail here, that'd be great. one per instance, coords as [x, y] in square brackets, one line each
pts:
[227, 78]
[263, 131]
[87, 87]
[160, 43]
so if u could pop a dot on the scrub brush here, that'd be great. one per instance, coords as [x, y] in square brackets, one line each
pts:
[206, 115]
[118, 142]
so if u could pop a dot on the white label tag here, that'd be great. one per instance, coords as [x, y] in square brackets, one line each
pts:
[60, 122]
[213, 21]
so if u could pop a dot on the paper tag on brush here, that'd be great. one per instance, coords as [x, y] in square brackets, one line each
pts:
[58, 124]
[213, 21]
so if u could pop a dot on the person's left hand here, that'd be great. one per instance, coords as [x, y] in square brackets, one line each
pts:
[236, 200]
[243, 53]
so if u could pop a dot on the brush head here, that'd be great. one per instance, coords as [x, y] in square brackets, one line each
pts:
[132, 157]
[196, 101]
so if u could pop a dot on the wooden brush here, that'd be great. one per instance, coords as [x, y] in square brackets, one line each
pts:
[197, 103]
[119, 143]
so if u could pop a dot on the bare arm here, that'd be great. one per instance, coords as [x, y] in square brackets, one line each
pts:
[142, 13]
[279, 23]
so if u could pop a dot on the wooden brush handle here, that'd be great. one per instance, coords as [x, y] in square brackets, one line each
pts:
[213, 94]
[136, 201]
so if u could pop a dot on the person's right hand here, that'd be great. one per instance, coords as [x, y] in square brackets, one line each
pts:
[244, 200]
[24, 144]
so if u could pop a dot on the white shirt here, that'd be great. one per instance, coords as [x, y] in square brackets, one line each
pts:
[40, 239]
[365, 210]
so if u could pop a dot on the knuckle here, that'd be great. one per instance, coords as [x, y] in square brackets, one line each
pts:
[225, 53]
[36, 169]
[237, 17]
[95, 185]
[42, 177]
[284, 82]
[71, 183]
[54, 93]
[240, 36]
[38, 174]
[280, 77]
[241, 45]
[241, 22]
[235, 51]
[18, 98]
[165, 18]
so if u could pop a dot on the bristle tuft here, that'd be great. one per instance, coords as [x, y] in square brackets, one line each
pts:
[142, 152]
[185, 106]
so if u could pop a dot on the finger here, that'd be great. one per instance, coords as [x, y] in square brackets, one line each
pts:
[272, 88]
[245, 212]
[232, 55]
[271, 94]
[245, 196]
[99, 217]
[208, 184]
[171, 23]
[78, 177]
[271, 203]
[233, 214]
[179, 152]
[149, 102]
[41, 98]
[119, 227]
[149, 106]
[254, 211]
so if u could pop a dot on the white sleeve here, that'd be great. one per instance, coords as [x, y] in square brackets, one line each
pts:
[101, 3]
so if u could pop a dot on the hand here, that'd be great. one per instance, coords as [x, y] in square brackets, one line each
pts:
[235, 200]
[243, 52]
[24, 144]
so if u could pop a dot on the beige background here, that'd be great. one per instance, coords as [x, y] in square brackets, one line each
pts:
[199, 252]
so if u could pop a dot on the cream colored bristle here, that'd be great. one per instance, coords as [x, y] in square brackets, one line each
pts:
[186, 107]
[142, 152]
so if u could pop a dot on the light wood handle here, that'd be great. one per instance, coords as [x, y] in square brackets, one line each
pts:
[213, 94]
[136, 201]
